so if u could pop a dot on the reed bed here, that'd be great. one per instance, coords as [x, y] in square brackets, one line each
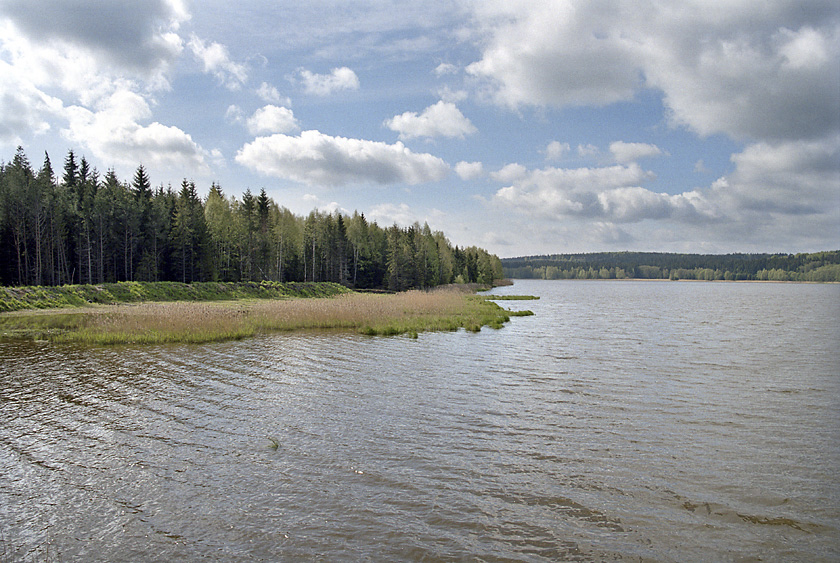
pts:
[373, 314]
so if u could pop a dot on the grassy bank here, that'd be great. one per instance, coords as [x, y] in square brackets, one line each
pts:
[44, 297]
[158, 322]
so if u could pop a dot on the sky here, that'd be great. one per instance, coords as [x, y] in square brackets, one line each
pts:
[521, 126]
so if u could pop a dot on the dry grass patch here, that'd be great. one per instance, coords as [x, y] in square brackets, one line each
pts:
[374, 314]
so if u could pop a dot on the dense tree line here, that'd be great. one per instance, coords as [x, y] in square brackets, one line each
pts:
[84, 228]
[818, 267]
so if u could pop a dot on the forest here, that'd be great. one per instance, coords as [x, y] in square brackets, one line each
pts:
[812, 267]
[84, 228]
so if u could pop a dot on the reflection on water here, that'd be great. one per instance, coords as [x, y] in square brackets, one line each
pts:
[626, 420]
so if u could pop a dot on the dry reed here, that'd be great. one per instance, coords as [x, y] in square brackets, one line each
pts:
[409, 312]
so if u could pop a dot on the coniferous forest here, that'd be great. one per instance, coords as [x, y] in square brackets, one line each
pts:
[75, 226]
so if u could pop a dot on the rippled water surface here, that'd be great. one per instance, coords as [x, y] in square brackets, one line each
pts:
[624, 421]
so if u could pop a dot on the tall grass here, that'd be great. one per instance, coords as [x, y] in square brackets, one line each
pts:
[373, 314]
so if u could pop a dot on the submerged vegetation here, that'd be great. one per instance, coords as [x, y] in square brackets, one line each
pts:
[408, 312]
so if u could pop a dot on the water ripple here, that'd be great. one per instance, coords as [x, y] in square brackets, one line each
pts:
[624, 421]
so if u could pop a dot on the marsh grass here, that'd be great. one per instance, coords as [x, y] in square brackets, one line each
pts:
[408, 313]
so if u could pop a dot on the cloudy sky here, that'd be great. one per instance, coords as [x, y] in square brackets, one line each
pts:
[522, 126]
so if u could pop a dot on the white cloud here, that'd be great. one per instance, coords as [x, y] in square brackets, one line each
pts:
[745, 74]
[25, 108]
[469, 170]
[234, 114]
[630, 152]
[445, 68]
[270, 94]
[586, 151]
[780, 195]
[806, 48]
[632, 204]
[386, 214]
[325, 84]
[272, 119]
[442, 119]
[554, 53]
[87, 63]
[317, 159]
[747, 70]
[453, 96]
[514, 172]
[556, 150]
[114, 134]
[129, 35]
[216, 60]
[328, 207]
[101, 79]
[553, 192]
[788, 178]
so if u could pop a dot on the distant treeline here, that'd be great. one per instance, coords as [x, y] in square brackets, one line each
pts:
[813, 267]
[85, 229]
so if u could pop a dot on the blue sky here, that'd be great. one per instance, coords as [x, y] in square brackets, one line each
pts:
[521, 126]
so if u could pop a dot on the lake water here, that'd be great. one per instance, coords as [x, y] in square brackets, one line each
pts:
[638, 421]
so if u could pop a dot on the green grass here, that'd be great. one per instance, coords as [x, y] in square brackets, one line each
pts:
[43, 297]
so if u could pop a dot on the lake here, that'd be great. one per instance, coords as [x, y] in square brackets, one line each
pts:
[626, 420]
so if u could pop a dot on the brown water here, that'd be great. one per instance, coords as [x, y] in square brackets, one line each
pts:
[625, 421]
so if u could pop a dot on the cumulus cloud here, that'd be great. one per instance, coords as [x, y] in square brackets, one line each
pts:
[752, 81]
[510, 173]
[556, 150]
[610, 193]
[317, 159]
[272, 119]
[453, 96]
[445, 68]
[785, 178]
[779, 193]
[25, 108]
[633, 204]
[234, 114]
[91, 70]
[469, 170]
[114, 134]
[554, 53]
[341, 78]
[271, 95]
[588, 150]
[217, 61]
[137, 35]
[390, 214]
[442, 119]
[750, 71]
[630, 152]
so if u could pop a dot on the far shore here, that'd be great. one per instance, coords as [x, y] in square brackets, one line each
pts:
[676, 280]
